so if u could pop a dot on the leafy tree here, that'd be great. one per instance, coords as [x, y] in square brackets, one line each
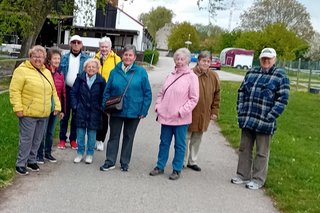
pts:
[212, 6]
[156, 19]
[28, 16]
[290, 13]
[180, 34]
[228, 39]
[209, 35]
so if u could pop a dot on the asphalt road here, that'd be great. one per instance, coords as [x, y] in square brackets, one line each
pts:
[68, 187]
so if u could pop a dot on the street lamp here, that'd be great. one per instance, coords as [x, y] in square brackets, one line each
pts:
[188, 42]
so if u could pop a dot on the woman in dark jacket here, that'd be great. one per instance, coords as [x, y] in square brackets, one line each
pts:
[86, 100]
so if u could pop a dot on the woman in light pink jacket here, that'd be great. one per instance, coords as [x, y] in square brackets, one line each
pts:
[175, 102]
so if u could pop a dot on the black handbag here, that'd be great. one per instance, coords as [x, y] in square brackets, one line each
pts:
[115, 103]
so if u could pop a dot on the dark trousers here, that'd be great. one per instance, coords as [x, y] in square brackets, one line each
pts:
[101, 134]
[129, 129]
[64, 122]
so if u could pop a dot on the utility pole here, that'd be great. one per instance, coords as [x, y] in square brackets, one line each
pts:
[232, 5]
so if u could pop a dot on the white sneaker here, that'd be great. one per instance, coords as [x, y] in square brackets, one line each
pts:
[78, 159]
[239, 180]
[100, 146]
[253, 185]
[89, 159]
[96, 145]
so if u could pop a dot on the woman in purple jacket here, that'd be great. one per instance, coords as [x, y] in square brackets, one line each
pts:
[175, 102]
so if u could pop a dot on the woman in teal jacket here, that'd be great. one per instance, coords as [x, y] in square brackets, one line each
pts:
[136, 103]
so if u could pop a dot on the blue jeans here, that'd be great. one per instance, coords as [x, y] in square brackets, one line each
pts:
[129, 129]
[179, 133]
[64, 122]
[47, 140]
[81, 132]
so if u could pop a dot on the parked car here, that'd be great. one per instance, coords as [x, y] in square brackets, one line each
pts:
[215, 63]
[194, 57]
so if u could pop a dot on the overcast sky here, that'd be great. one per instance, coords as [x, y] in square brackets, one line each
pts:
[187, 10]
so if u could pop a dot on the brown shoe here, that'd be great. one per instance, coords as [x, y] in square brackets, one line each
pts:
[175, 175]
[156, 171]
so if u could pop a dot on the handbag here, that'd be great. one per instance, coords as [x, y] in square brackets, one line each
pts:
[115, 103]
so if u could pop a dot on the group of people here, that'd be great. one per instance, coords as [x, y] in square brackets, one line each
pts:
[49, 86]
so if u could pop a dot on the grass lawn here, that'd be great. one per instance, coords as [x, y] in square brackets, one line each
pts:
[294, 169]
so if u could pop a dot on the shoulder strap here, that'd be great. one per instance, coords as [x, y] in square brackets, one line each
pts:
[45, 78]
[172, 83]
[128, 85]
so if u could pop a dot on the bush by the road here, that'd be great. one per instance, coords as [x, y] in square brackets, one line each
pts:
[151, 56]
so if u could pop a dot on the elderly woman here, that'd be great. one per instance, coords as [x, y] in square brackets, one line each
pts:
[175, 102]
[86, 100]
[207, 108]
[32, 91]
[52, 64]
[136, 103]
[108, 60]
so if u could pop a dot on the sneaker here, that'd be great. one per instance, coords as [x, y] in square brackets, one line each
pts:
[156, 171]
[124, 169]
[89, 159]
[100, 146]
[33, 167]
[62, 144]
[175, 175]
[106, 167]
[239, 180]
[253, 185]
[50, 158]
[73, 145]
[78, 159]
[194, 167]
[21, 170]
[40, 160]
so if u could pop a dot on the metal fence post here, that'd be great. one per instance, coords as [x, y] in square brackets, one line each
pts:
[299, 65]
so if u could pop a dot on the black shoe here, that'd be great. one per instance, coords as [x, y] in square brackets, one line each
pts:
[124, 169]
[194, 167]
[40, 160]
[50, 158]
[156, 171]
[175, 175]
[33, 167]
[21, 170]
[106, 167]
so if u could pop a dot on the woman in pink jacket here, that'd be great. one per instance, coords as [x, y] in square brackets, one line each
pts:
[175, 102]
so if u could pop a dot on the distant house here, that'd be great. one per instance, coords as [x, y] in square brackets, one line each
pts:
[115, 23]
[162, 38]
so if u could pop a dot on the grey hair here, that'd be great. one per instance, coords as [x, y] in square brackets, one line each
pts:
[204, 54]
[37, 48]
[105, 40]
[91, 60]
[183, 51]
[130, 47]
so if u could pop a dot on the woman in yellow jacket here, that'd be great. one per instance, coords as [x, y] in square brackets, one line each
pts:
[108, 60]
[33, 96]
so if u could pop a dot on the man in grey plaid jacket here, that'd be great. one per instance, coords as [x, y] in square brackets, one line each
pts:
[262, 97]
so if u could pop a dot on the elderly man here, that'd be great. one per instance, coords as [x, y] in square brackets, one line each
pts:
[71, 65]
[108, 60]
[262, 98]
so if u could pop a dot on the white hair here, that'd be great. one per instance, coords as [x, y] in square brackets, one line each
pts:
[105, 40]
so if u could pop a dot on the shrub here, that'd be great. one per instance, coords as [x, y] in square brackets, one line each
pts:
[148, 56]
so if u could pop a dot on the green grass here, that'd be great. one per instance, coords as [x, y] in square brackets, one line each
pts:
[294, 169]
[4, 82]
[8, 141]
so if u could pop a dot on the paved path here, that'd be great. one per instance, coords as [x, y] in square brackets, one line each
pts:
[69, 187]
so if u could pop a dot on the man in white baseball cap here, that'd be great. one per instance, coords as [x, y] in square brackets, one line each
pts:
[262, 97]
[71, 65]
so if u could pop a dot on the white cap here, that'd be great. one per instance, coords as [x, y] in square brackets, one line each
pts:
[75, 38]
[268, 53]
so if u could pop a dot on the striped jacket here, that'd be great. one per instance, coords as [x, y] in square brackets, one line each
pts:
[262, 97]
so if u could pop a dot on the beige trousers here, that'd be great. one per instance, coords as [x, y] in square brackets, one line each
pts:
[193, 144]
[257, 168]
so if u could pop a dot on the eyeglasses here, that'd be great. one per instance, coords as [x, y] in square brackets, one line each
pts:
[75, 42]
[37, 57]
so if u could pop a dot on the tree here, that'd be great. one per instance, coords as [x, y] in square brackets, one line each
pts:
[28, 16]
[290, 13]
[227, 39]
[314, 50]
[156, 19]
[209, 37]
[212, 6]
[180, 34]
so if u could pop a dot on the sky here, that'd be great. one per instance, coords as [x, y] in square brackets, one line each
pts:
[187, 10]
